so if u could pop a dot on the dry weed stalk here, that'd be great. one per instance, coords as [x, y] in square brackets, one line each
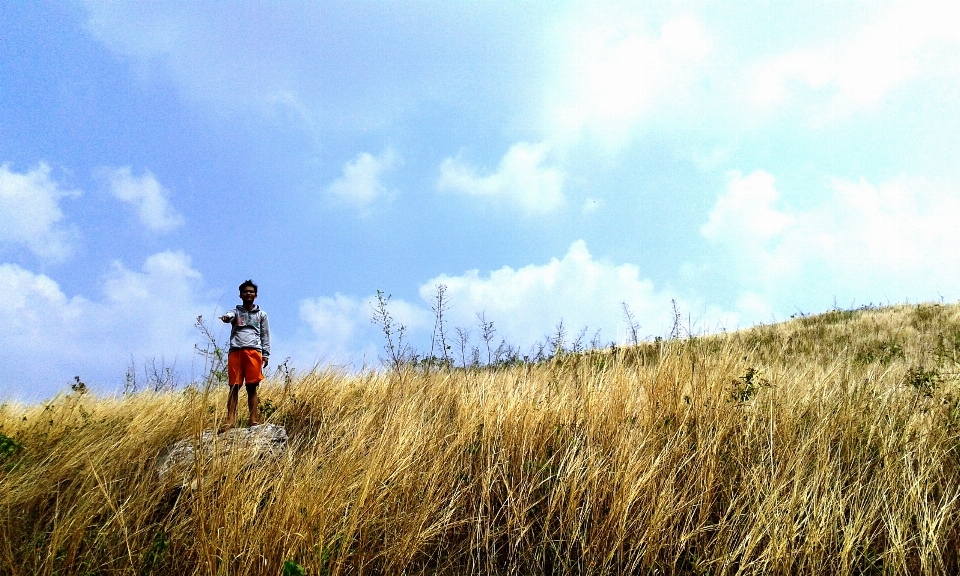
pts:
[827, 444]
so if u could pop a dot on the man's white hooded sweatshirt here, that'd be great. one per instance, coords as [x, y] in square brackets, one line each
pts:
[249, 329]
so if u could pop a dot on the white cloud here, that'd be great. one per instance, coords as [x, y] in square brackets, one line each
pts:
[360, 184]
[864, 242]
[339, 330]
[909, 42]
[30, 212]
[621, 69]
[615, 73]
[520, 177]
[745, 213]
[207, 52]
[167, 277]
[527, 303]
[591, 205]
[50, 337]
[146, 195]
[342, 330]
[34, 302]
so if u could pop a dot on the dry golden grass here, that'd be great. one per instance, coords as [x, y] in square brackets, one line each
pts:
[826, 444]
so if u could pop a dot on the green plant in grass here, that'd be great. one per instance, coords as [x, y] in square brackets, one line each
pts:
[924, 380]
[8, 447]
[746, 387]
[291, 568]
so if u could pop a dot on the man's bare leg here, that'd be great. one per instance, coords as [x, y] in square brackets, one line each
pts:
[253, 403]
[232, 400]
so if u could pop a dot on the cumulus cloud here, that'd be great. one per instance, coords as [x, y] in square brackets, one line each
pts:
[50, 337]
[527, 303]
[360, 185]
[336, 324]
[525, 306]
[30, 213]
[146, 195]
[745, 214]
[521, 177]
[870, 242]
[342, 330]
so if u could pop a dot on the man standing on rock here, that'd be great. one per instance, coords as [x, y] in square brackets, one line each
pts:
[249, 353]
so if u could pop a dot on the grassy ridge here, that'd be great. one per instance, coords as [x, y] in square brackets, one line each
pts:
[827, 444]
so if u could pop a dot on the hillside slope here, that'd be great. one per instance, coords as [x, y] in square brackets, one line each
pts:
[826, 444]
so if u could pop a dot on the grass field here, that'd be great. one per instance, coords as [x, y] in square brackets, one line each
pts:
[824, 445]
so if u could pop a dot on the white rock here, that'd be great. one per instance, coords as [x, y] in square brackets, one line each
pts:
[257, 443]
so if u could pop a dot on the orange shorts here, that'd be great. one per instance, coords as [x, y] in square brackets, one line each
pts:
[244, 366]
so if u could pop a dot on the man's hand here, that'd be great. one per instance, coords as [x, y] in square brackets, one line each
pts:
[266, 360]
[226, 318]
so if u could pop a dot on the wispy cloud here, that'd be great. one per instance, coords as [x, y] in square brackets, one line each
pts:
[615, 72]
[521, 177]
[146, 195]
[206, 51]
[909, 42]
[361, 183]
[30, 213]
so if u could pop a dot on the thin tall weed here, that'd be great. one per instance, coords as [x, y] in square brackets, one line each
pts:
[775, 450]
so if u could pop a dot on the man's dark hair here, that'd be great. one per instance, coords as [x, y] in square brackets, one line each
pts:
[250, 284]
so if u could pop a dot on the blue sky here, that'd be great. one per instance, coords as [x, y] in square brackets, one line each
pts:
[545, 161]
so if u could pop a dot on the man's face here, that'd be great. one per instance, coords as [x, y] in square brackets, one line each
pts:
[248, 295]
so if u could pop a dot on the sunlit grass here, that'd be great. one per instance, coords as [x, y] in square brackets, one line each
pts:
[827, 444]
